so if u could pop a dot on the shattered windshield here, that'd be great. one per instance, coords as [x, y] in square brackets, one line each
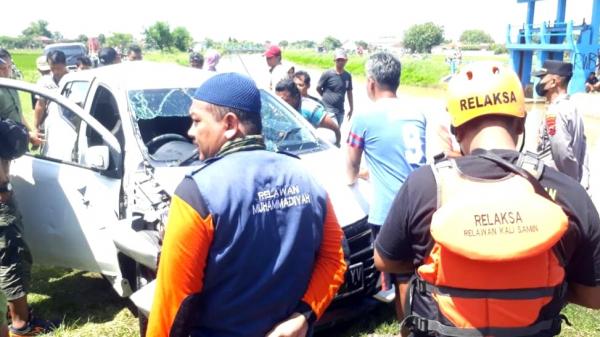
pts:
[162, 119]
[152, 103]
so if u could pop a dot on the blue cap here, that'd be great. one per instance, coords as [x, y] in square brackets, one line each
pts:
[230, 90]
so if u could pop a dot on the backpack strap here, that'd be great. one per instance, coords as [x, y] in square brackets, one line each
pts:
[443, 164]
[531, 163]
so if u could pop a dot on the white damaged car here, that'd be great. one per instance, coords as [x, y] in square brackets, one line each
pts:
[96, 196]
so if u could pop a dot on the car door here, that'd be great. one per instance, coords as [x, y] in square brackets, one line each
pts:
[53, 190]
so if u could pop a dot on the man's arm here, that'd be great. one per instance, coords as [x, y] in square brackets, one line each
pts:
[321, 84]
[392, 266]
[38, 113]
[353, 162]
[350, 103]
[356, 145]
[182, 262]
[35, 136]
[585, 296]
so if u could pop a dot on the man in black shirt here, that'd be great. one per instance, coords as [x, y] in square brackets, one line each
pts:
[332, 87]
[486, 104]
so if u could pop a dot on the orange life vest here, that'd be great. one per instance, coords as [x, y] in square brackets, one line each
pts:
[493, 269]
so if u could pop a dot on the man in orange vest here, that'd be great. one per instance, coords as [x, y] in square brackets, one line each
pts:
[498, 241]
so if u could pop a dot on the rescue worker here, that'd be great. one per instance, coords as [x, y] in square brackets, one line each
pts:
[256, 253]
[562, 143]
[499, 241]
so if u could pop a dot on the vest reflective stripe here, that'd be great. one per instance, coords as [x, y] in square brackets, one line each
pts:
[492, 269]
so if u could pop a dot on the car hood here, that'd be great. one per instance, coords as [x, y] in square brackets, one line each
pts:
[350, 203]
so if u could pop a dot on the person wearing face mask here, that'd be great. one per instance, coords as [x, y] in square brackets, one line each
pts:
[562, 142]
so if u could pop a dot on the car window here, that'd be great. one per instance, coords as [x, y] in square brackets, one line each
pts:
[284, 129]
[76, 91]
[71, 52]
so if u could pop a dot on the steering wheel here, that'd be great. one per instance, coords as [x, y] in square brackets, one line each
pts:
[155, 142]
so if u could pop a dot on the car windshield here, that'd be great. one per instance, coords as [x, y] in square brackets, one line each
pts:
[163, 121]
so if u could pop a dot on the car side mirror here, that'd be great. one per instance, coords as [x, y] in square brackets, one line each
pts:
[97, 157]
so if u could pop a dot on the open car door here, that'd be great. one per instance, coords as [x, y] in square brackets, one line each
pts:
[53, 189]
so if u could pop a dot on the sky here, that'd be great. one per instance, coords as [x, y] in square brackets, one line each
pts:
[275, 20]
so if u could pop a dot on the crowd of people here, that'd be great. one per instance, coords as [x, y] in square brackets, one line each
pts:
[486, 240]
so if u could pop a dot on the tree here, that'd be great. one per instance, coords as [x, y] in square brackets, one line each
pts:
[182, 39]
[421, 38]
[362, 44]
[159, 35]
[38, 28]
[57, 36]
[283, 43]
[102, 39]
[304, 44]
[82, 38]
[331, 43]
[120, 40]
[475, 36]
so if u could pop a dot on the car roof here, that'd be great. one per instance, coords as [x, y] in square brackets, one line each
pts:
[64, 44]
[138, 75]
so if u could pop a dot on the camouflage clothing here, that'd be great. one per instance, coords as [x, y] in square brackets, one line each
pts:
[15, 258]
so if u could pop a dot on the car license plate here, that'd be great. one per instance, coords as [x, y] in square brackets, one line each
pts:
[354, 282]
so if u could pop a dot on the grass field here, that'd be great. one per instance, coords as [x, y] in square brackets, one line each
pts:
[90, 308]
[421, 71]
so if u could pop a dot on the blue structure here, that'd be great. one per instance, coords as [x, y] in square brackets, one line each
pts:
[558, 40]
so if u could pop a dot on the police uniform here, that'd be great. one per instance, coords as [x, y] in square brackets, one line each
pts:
[562, 144]
[406, 233]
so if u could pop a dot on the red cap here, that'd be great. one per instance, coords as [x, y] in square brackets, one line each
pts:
[272, 51]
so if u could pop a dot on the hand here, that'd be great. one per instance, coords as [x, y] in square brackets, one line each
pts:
[36, 138]
[364, 174]
[295, 326]
[349, 114]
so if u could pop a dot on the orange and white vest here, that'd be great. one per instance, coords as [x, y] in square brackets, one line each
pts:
[493, 269]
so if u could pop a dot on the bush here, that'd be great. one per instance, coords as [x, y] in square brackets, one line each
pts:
[499, 49]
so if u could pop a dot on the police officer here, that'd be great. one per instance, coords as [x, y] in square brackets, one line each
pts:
[562, 143]
[494, 253]
[252, 246]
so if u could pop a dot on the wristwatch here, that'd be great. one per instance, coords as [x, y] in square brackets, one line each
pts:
[7, 187]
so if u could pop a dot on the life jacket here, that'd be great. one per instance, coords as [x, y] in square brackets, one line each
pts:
[494, 269]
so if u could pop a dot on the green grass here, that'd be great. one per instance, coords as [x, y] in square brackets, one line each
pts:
[419, 71]
[177, 57]
[89, 307]
[25, 61]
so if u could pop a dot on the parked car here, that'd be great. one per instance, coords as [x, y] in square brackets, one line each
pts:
[72, 51]
[96, 197]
